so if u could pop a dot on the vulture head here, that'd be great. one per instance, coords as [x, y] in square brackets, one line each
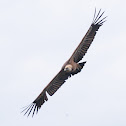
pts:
[68, 68]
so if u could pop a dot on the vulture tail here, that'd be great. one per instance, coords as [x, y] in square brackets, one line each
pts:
[80, 66]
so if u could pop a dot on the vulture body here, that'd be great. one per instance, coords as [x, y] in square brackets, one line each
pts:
[71, 67]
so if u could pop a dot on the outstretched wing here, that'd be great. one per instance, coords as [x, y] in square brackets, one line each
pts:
[88, 38]
[62, 76]
[51, 88]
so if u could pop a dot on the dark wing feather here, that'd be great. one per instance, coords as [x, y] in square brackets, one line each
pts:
[57, 82]
[51, 88]
[88, 38]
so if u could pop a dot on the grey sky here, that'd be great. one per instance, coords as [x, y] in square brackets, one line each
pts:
[37, 37]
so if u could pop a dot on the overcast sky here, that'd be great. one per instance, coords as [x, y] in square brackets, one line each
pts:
[37, 37]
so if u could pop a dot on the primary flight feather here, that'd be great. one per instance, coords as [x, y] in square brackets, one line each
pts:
[70, 67]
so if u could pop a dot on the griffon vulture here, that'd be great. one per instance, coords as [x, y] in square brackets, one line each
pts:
[71, 66]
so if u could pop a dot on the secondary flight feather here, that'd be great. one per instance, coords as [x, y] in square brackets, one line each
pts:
[71, 67]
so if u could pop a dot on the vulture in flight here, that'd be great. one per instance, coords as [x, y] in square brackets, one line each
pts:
[71, 67]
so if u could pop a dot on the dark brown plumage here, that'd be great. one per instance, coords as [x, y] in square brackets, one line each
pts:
[71, 67]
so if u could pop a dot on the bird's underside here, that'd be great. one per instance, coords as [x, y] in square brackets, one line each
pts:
[71, 67]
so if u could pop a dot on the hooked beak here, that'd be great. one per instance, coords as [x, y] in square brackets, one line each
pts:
[66, 69]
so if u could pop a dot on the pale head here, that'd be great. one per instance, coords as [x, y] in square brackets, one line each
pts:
[68, 68]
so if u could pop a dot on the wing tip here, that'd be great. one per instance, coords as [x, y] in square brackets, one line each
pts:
[28, 109]
[35, 105]
[97, 18]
